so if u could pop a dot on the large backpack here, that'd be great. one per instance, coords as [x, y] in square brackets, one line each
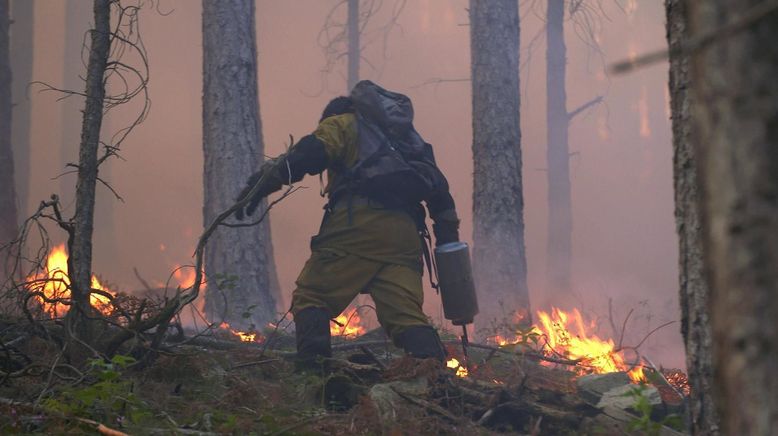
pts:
[394, 166]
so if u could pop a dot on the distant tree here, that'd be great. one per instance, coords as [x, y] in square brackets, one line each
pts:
[21, 65]
[354, 52]
[694, 291]
[735, 91]
[239, 261]
[8, 217]
[346, 39]
[499, 259]
[558, 118]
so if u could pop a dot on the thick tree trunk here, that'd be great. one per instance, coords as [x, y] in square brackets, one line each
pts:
[736, 137]
[560, 220]
[353, 44]
[21, 66]
[232, 144]
[8, 218]
[499, 262]
[80, 244]
[694, 292]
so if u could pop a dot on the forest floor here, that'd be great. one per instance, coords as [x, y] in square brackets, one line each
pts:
[222, 386]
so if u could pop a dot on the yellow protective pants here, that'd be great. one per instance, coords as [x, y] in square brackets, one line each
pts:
[332, 278]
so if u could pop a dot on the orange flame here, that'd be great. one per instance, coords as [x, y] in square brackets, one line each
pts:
[566, 335]
[461, 371]
[53, 283]
[348, 324]
[243, 336]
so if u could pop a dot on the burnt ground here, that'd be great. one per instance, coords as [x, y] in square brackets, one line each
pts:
[222, 386]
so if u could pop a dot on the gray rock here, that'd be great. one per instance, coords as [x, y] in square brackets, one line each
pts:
[620, 398]
[593, 386]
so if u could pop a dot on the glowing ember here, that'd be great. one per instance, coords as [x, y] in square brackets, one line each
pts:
[679, 380]
[54, 283]
[243, 336]
[461, 371]
[347, 324]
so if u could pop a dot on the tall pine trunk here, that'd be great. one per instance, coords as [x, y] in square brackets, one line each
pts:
[354, 51]
[735, 116]
[21, 66]
[560, 220]
[233, 149]
[8, 218]
[80, 243]
[694, 293]
[499, 262]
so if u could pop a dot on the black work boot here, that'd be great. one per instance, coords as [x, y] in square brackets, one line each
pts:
[312, 329]
[421, 342]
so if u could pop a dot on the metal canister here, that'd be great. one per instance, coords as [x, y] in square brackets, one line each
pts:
[455, 277]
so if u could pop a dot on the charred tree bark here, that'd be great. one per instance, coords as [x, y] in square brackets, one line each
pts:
[21, 67]
[499, 261]
[77, 24]
[80, 243]
[232, 144]
[736, 137]
[560, 219]
[353, 44]
[694, 292]
[8, 217]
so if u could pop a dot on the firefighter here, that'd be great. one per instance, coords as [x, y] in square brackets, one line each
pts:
[368, 242]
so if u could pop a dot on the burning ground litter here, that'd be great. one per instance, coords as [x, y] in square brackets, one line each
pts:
[555, 377]
[242, 387]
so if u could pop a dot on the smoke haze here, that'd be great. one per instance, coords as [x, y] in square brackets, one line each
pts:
[621, 158]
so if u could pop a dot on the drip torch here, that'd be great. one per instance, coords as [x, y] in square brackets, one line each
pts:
[457, 288]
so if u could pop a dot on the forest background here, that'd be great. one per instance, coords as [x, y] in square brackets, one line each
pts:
[624, 242]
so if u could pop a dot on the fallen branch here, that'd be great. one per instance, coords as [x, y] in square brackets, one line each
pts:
[428, 405]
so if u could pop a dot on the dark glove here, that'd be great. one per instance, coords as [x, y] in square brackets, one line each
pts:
[254, 203]
[445, 232]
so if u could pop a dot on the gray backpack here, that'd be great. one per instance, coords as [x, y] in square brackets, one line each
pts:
[395, 166]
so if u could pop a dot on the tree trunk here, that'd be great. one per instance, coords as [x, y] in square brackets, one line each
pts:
[232, 144]
[736, 137]
[694, 292]
[80, 244]
[499, 262]
[21, 66]
[8, 218]
[353, 44]
[560, 220]
[77, 23]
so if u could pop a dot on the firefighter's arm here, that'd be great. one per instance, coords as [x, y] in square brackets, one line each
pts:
[307, 156]
[445, 222]
[443, 212]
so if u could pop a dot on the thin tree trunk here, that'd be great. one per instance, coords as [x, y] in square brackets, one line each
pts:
[21, 66]
[77, 24]
[499, 261]
[353, 44]
[736, 137]
[560, 220]
[694, 293]
[232, 144]
[80, 261]
[8, 218]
